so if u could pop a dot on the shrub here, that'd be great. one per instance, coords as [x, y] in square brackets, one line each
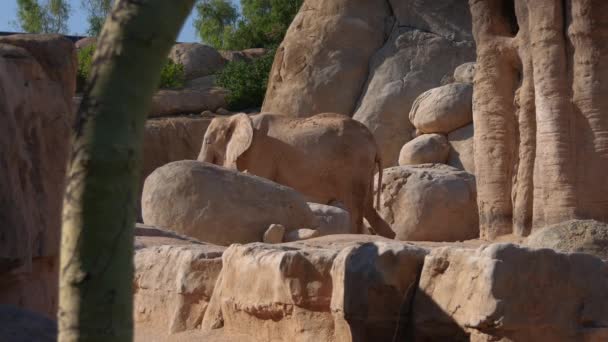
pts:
[172, 75]
[246, 81]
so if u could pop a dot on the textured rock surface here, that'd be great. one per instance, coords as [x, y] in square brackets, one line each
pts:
[443, 109]
[411, 61]
[509, 293]
[327, 289]
[186, 101]
[322, 63]
[461, 155]
[18, 325]
[218, 205]
[541, 75]
[37, 83]
[465, 73]
[424, 149]
[331, 219]
[429, 202]
[199, 60]
[581, 236]
[174, 280]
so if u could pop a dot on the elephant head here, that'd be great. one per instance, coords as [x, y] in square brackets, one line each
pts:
[226, 139]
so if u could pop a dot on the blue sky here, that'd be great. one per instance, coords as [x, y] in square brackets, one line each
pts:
[78, 20]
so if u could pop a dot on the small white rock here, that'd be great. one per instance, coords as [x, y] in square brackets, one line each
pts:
[301, 234]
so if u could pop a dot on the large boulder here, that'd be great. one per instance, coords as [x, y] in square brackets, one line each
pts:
[220, 206]
[462, 154]
[331, 219]
[465, 73]
[443, 109]
[187, 101]
[424, 149]
[323, 61]
[334, 288]
[410, 62]
[503, 292]
[199, 60]
[174, 279]
[429, 202]
[246, 55]
[574, 236]
[37, 83]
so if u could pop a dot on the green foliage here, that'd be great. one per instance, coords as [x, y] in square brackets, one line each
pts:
[263, 23]
[172, 74]
[246, 81]
[97, 11]
[215, 21]
[85, 60]
[52, 17]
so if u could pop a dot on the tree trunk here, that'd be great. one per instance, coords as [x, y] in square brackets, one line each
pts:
[95, 300]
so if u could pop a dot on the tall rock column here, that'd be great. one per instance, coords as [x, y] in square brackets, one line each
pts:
[541, 126]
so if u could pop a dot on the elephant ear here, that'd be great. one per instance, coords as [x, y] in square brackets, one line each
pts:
[239, 140]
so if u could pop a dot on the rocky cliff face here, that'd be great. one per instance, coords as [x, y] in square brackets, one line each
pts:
[541, 129]
[370, 60]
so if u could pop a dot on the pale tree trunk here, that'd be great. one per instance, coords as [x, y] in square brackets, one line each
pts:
[95, 300]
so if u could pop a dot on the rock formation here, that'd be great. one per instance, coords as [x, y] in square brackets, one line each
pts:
[37, 82]
[429, 202]
[541, 129]
[370, 60]
[424, 149]
[220, 206]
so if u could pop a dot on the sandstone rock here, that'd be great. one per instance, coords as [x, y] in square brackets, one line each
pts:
[246, 55]
[199, 60]
[429, 202]
[541, 146]
[331, 219]
[301, 234]
[171, 139]
[204, 82]
[462, 154]
[218, 205]
[465, 73]
[443, 109]
[447, 18]
[18, 325]
[326, 289]
[509, 293]
[575, 236]
[85, 42]
[37, 83]
[410, 62]
[274, 234]
[174, 279]
[322, 63]
[427, 148]
[189, 100]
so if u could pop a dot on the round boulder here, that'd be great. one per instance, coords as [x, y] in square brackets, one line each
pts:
[443, 109]
[220, 206]
[430, 202]
[575, 236]
[199, 60]
[465, 73]
[424, 149]
[331, 219]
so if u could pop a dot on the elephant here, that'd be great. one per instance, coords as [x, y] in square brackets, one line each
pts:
[328, 157]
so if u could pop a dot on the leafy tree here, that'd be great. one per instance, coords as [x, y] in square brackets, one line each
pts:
[52, 17]
[216, 19]
[97, 12]
[246, 81]
[263, 23]
[96, 272]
